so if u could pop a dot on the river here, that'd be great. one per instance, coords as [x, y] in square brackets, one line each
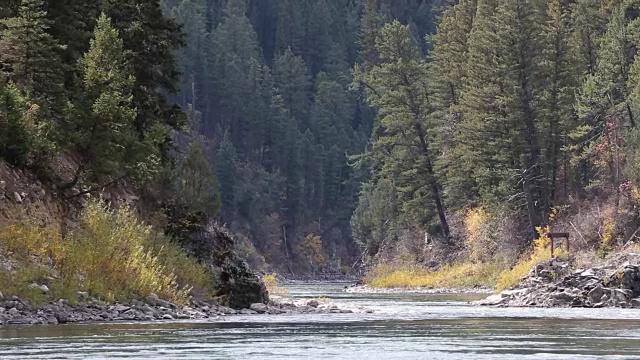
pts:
[403, 326]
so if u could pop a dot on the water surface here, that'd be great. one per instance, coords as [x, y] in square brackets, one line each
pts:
[403, 326]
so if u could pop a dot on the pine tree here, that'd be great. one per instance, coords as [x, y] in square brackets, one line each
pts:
[403, 143]
[292, 82]
[225, 171]
[29, 56]
[558, 63]
[318, 34]
[196, 185]
[291, 30]
[104, 128]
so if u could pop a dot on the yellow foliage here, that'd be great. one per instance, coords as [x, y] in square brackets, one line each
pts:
[111, 254]
[455, 275]
[607, 233]
[539, 253]
[475, 223]
[271, 282]
[311, 249]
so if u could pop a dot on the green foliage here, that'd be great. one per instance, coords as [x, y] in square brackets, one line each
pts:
[196, 185]
[29, 56]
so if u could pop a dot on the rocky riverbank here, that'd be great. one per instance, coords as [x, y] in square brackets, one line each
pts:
[15, 311]
[555, 284]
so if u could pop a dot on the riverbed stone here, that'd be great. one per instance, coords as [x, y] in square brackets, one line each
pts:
[313, 303]
[62, 317]
[260, 308]
[167, 317]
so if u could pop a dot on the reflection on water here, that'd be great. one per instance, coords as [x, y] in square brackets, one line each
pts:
[410, 326]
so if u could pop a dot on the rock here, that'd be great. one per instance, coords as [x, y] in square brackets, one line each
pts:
[247, 312]
[17, 198]
[33, 286]
[152, 299]
[13, 312]
[44, 289]
[313, 303]
[167, 317]
[346, 311]
[83, 295]
[3, 185]
[52, 320]
[121, 308]
[21, 320]
[595, 295]
[10, 304]
[1, 296]
[260, 308]
[62, 317]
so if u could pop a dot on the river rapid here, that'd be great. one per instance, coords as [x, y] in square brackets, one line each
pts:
[403, 326]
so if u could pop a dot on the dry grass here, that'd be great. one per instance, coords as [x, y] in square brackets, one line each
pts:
[110, 254]
[455, 275]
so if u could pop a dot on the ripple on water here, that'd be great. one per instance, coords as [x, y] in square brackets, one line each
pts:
[404, 326]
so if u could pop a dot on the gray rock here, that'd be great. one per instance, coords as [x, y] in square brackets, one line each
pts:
[313, 303]
[17, 198]
[44, 289]
[167, 317]
[21, 320]
[13, 312]
[62, 317]
[121, 308]
[3, 185]
[83, 295]
[52, 320]
[259, 308]
[1, 296]
[346, 311]
[247, 312]
[595, 295]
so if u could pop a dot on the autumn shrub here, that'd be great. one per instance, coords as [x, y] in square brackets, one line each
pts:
[479, 241]
[109, 254]
[271, 282]
[539, 252]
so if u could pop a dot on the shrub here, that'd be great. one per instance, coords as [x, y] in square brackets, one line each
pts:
[539, 253]
[271, 282]
[110, 254]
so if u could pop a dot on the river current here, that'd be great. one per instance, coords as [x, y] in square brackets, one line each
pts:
[403, 326]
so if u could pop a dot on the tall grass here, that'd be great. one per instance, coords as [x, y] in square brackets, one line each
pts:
[454, 275]
[110, 254]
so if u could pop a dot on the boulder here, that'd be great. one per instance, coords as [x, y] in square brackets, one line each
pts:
[62, 317]
[595, 295]
[313, 303]
[260, 308]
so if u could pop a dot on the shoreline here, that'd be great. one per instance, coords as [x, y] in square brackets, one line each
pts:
[16, 312]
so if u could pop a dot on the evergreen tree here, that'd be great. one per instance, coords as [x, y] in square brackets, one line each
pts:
[196, 186]
[104, 128]
[292, 83]
[29, 56]
[403, 144]
[225, 171]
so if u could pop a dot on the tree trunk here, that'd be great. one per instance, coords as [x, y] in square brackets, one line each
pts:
[435, 190]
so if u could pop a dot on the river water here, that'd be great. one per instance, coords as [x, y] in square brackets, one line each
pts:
[403, 326]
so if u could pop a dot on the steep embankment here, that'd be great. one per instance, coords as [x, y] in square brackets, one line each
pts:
[555, 283]
[109, 264]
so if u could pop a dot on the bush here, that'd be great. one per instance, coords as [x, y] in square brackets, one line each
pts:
[110, 254]
[539, 253]
[271, 282]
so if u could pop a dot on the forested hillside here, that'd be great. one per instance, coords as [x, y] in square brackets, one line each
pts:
[268, 86]
[325, 133]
